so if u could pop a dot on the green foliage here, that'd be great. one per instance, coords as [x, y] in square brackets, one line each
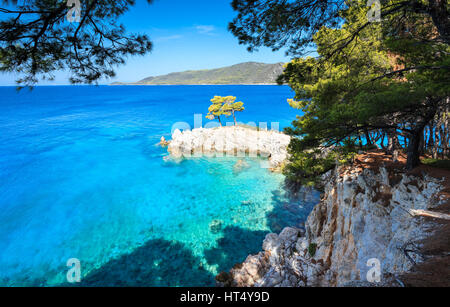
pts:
[306, 167]
[363, 88]
[216, 110]
[292, 24]
[36, 40]
[312, 249]
[238, 106]
[445, 164]
[224, 106]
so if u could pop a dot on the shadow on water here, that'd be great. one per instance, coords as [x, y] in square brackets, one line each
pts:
[291, 210]
[157, 263]
[164, 263]
[235, 245]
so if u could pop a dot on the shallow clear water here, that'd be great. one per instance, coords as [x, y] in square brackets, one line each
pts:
[81, 177]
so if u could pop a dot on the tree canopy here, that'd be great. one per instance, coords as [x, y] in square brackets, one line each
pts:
[224, 106]
[370, 79]
[36, 39]
[293, 24]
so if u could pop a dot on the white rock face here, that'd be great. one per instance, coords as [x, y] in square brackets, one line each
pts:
[363, 215]
[231, 141]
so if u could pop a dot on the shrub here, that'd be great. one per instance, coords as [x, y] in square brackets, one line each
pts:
[312, 249]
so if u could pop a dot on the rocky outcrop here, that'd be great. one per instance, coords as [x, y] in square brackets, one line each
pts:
[363, 218]
[238, 141]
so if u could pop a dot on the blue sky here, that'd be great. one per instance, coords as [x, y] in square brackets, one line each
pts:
[187, 34]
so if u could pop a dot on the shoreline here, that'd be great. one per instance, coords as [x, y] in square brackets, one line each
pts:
[342, 235]
[230, 140]
[206, 84]
[99, 85]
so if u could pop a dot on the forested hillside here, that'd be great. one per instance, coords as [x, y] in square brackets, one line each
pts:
[244, 73]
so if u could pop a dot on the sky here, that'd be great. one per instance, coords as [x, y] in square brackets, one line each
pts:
[186, 35]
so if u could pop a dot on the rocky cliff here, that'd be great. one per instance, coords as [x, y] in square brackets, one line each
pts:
[366, 218]
[234, 140]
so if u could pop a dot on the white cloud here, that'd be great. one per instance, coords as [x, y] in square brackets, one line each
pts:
[205, 29]
[167, 38]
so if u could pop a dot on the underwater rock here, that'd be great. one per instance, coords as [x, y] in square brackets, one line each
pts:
[240, 166]
[216, 226]
[246, 203]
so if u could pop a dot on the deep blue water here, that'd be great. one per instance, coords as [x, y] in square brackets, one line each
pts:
[81, 177]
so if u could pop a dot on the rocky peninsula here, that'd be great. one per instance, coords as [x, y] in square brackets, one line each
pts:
[231, 140]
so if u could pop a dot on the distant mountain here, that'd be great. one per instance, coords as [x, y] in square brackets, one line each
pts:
[244, 73]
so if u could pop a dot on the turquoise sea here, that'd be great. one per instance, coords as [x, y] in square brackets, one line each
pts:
[81, 177]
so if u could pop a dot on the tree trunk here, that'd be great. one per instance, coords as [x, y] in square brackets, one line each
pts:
[234, 117]
[421, 143]
[413, 159]
[220, 122]
[360, 142]
[393, 144]
[428, 137]
[445, 139]
[415, 136]
[383, 135]
[368, 139]
[436, 140]
[438, 10]
[430, 143]
[391, 141]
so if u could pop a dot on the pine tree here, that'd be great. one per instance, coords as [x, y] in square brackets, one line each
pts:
[224, 106]
[216, 109]
[36, 39]
[237, 107]
[386, 83]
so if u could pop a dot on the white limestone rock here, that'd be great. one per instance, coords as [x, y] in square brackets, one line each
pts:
[231, 141]
[363, 215]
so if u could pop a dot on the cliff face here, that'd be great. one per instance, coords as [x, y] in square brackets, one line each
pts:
[365, 214]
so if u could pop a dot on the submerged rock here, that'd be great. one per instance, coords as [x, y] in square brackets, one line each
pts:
[216, 226]
[246, 203]
[240, 166]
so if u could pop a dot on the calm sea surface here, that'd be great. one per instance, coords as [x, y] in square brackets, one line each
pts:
[81, 177]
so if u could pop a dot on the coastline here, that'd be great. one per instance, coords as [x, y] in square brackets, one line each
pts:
[368, 214]
[206, 84]
[132, 183]
[231, 140]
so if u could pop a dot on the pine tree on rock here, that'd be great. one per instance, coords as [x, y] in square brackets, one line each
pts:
[224, 106]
